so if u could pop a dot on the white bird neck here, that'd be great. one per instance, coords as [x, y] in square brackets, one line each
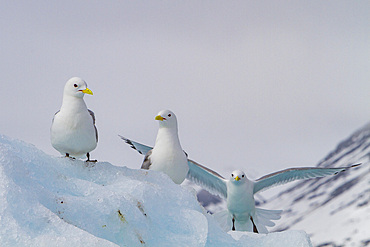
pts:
[167, 136]
[72, 104]
[246, 186]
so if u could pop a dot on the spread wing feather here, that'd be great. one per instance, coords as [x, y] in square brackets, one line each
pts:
[205, 177]
[141, 148]
[291, 174]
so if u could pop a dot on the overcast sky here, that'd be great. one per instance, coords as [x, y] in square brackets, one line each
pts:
[256, 85]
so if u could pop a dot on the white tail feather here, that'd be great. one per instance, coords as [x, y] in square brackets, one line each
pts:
[262, 218]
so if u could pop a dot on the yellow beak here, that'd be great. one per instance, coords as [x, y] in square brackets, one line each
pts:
[159, 117]
[87, 91]
[237, 178]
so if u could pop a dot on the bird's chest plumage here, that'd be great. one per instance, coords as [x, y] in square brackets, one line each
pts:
[73, 132]
[73, 123]
[240, 200]
[168, 157]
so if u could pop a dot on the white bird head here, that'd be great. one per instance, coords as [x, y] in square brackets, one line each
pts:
[238, 177]
[166, 119]
[76, 87]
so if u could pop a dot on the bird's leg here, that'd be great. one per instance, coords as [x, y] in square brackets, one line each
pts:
[67, 156]
[233, 220]
[88, 158]
[254, 226]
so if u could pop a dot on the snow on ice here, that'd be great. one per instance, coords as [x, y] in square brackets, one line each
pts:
[50, 201]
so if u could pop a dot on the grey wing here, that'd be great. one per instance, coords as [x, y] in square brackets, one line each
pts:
[147, 163]
[205, 177]
[141, 148]
[52, 121]
[292, 174]
[93, 118]
[92, 114]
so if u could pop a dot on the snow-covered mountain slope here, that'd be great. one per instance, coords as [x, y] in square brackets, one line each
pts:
[334, 211]
[48, 201]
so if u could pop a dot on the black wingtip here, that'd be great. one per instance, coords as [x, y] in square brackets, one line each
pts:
[351, 166]
[355, 165]
[123, 138]
[128, 141]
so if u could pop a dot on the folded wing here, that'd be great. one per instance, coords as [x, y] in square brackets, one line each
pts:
[92, 114]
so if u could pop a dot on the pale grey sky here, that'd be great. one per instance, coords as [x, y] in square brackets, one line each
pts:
[255, 85]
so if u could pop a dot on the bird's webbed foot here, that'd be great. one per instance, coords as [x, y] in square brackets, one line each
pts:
[88, 158]
[67, 156]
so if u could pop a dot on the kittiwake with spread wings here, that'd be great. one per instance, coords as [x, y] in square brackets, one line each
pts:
[238, 190]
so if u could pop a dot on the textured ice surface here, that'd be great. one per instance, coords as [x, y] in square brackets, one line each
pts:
[49, 201]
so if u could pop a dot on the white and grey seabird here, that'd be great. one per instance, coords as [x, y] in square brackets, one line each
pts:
[167, 155]
[73, 132]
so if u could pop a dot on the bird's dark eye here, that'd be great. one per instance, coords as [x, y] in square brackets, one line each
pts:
[232, 175]
[169, 115]
[75, 85]
[242, 176]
